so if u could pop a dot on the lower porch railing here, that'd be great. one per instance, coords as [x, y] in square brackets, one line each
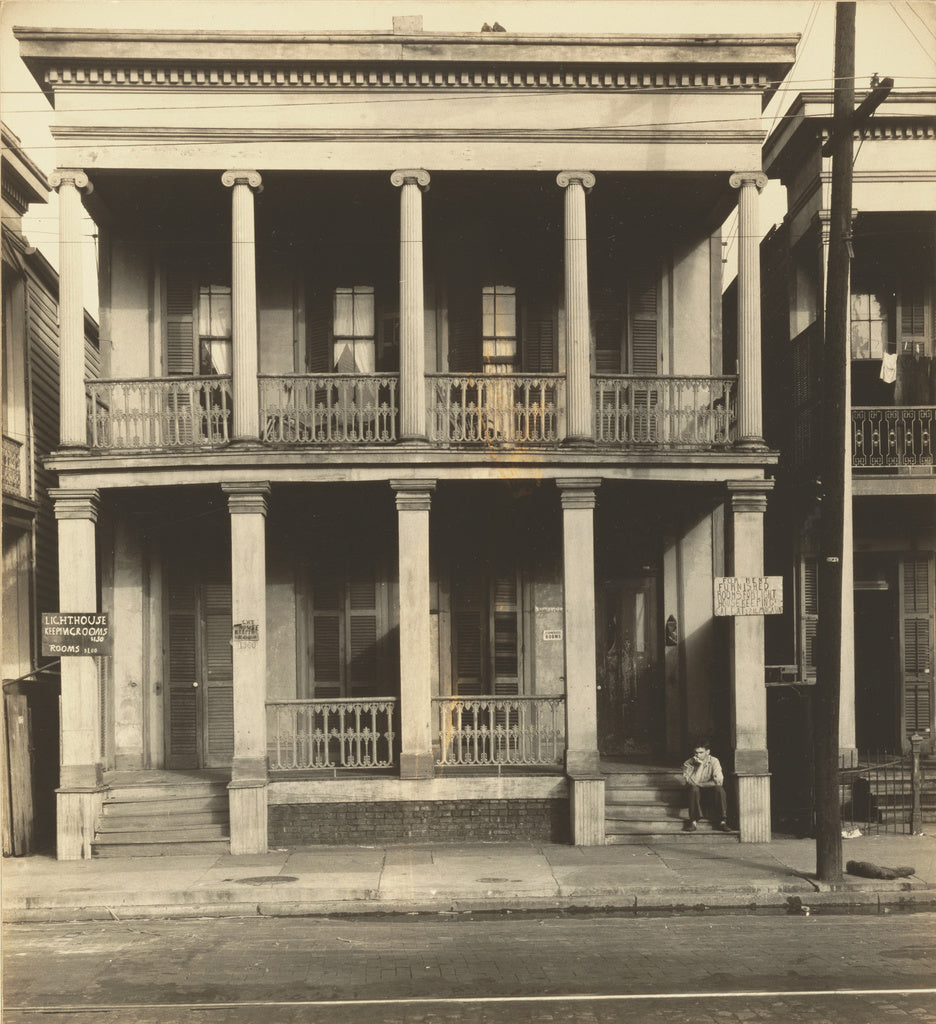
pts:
[313, 734]
[501, 731]
[893, 437]
[485, 408]
[887, 793]
[682, 412]
[167, 412]
[329, 408]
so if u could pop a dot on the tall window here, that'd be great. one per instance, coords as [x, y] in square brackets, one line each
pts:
[870, 337]
[354, 329]
[214, 329]
[499, 328]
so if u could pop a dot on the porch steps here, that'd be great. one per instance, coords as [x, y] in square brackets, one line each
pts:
[163, 818]
[648, 804]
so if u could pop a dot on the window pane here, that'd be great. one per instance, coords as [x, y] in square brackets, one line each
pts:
[507, 315]
[215, 356]
[214, 311]
[363, 356]
[877, 306]
[860, 340]
[860, 306]
[364, 312]
[344, 313]
[487, 312]
[878, 337]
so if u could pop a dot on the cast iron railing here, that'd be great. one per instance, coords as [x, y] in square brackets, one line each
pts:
[165, 412]
[330, 408]
[886, 793]
[500, 731]
[482, 408]
[895, 436]
[331, 734]
[678, 412]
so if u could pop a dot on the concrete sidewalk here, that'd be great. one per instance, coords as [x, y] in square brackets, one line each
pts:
[484, 877]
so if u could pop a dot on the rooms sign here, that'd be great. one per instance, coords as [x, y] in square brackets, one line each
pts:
[748, 595]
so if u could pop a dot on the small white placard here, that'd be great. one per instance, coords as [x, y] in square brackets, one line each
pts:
[552, 634]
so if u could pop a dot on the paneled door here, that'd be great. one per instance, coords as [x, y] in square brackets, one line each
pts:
[200, 692]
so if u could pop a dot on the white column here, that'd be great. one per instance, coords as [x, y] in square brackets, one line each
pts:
[412, 184]
[748, 681]
[244, 302]
[750, 412]
[247, 791]
[413, 498]
[80, 778]
[578, 553]
[578, 327]
[70, 183]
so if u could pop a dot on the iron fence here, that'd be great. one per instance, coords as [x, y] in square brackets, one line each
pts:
[886, 794]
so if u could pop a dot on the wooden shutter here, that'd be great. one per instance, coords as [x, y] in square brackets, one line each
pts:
[810, 615]
[468, 615]
[326, 638]
[362, 634]
[608, 330]
[319, 332]
[464, 330]
[539, 335]
[219, 674]
[505, 635]
[182, 632]
[643, 355]
[181, 322]
[916, 636]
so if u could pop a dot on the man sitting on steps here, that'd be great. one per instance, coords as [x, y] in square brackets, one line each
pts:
[704, 772]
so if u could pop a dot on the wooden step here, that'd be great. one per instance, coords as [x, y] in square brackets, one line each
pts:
[214, 847]
[167, 790]
[644, 812]
[153, 822]
[164, 835]
[184, 805]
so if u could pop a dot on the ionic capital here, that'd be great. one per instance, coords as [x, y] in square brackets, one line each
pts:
[416, 176]
[250, 178]
[756, 178]
[585, 178]
[749, 495]
[76, 504]
[575, 493]
[413, 495]
[247, 499]
[71, 176]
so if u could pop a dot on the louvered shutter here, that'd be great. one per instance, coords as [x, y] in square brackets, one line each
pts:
[362, 635]
[608, 331]
[464, 330]
[539, 335]
[183, 674]
[468, 613]
[319, 332]
[643, 356]
[504, 631]
[810, 615]
[219, 674]
[326, 638]
[180, 322]
[917, 643]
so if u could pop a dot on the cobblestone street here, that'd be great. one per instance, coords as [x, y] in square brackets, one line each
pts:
[475, 969]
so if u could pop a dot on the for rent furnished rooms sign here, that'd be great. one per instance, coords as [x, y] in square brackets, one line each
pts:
[748, 595]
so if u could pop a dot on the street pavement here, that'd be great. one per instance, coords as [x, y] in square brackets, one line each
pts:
[712, 874]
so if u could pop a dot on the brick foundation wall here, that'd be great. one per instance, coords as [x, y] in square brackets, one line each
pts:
[440, 821]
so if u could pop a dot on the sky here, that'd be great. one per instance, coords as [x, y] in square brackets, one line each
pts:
[893, 38]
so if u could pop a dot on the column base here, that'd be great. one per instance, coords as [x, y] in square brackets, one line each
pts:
[248, 808]
[582, 762]
[578, 441]
[77, 812]
[754, 808]
[249, 771]
[750, 444]
[417, 766]
[587, 809]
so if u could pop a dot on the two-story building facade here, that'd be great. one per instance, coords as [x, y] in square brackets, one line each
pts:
[890, 523]
[416, 449]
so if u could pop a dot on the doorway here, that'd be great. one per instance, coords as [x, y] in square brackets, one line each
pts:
[877, 666]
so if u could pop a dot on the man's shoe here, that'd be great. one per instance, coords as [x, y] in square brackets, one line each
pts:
[692, 827]
[723, 826]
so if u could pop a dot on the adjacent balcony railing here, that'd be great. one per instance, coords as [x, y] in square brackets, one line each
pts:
[693, 413]
[12, 466]
[677, 412]
[167, 412]
[331, 734]
[892, 437]
[500, 731]
[495, 408]
[333, 408]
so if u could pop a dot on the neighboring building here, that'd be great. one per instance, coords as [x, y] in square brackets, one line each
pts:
[407, 505]
[30, 381]
[888, 605]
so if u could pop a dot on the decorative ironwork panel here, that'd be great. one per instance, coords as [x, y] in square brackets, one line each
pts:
[338, 408]
[495, 408]
[671, 412]
[895, 436]
[12, 466]
[500, 731]
[167, 412]
[311, 734]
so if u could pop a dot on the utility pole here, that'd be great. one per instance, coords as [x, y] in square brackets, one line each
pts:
[835, 443]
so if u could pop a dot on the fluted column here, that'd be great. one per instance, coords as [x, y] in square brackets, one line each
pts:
[244, 302]
[412, 184]
[70, 183]
[80, 780]
[748, 499]
[247, 504]
[578, 329]
[413, 498]
[750, 412]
